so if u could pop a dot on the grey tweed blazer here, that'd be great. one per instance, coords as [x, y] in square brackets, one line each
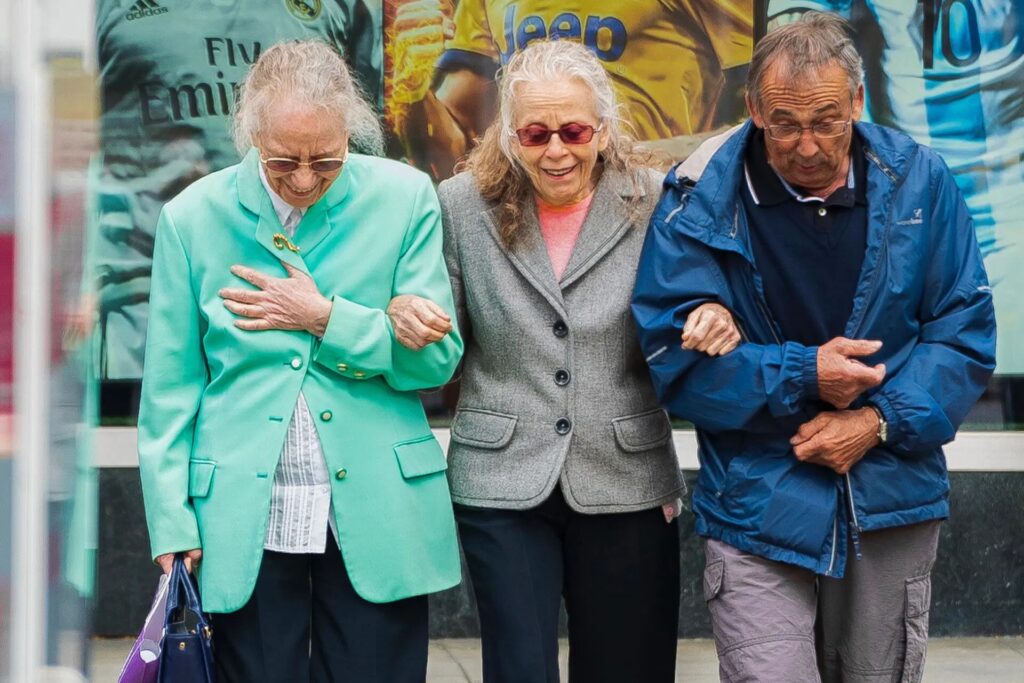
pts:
[554, 385]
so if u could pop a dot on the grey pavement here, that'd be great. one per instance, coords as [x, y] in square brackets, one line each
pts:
[950, 660]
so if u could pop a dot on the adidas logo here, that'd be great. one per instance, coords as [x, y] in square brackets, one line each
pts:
[145, 8]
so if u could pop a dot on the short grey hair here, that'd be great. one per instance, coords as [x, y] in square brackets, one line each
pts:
[310, 74]
[814, 41]
[554, 61]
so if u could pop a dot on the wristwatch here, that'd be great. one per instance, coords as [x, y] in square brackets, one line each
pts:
[883, 426]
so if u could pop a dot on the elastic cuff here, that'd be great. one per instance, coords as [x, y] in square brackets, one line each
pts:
[809, 373]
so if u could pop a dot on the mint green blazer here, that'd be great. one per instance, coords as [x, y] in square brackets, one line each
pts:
[217, 400]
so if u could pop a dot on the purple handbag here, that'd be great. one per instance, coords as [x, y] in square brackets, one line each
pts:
[144, 660]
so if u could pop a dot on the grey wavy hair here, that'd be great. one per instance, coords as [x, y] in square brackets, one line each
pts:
[308, 73]
[554, 61]
[495, 165]
[813, 41]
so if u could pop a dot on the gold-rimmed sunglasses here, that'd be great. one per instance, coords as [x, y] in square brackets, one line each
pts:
[284, 165]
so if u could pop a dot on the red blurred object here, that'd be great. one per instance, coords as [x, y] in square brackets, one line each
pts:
[6, 322]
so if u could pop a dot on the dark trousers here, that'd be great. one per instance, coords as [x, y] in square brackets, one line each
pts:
[618, 573]
[305, 622]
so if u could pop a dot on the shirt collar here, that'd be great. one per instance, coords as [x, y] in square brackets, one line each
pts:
[282, 208]
[768, 188]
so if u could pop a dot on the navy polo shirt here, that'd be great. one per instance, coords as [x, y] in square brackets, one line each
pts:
[808, 251]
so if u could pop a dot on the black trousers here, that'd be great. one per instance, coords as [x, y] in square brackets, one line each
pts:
[305, 622]
[618, 573]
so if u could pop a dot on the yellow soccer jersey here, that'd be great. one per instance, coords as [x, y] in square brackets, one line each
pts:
[666, 57]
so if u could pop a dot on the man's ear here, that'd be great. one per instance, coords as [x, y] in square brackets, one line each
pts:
[752, 110]
[858, 103]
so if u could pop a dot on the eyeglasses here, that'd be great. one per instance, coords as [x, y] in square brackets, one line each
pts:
[282, 165]
[821, 131]
[536, 135]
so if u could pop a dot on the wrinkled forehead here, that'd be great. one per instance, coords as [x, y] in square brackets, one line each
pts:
[292, 123]
[786, 89]
[567, 100]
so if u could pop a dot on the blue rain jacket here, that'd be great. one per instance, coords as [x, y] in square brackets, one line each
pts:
[923, 291]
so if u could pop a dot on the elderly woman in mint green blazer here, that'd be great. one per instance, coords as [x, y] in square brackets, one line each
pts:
[281, 439]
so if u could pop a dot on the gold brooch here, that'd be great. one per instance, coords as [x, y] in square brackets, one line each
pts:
[281, 241]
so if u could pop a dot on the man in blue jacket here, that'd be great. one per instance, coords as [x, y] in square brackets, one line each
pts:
[848, 258]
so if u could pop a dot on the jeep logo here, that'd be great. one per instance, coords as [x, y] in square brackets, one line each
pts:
[605, 36]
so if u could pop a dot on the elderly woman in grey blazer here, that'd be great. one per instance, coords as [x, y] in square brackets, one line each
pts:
[561, 463]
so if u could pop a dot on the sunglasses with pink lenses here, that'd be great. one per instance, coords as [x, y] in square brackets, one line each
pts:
[536, 135]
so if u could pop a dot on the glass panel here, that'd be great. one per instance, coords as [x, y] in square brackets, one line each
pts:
[71, 492]
[6, 355]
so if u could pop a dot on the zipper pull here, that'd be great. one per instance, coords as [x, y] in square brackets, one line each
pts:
[855, 537]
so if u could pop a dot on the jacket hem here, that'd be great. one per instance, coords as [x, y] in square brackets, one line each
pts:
[532, 502]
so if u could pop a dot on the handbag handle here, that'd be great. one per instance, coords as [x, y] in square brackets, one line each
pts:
[182, 594]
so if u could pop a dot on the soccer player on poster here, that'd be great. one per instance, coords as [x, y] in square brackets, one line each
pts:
[677, 66]
[951, 74]
[168, 71]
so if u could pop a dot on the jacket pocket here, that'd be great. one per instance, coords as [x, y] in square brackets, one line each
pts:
[420, 457]
[200, 477]
[643, 431]
[483, 428]
[919, 598]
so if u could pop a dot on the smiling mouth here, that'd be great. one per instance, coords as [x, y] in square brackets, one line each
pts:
[558, 173]
[301, 193]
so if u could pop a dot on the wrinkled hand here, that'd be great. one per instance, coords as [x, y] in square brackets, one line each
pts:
[418, 321]
[280, 303]
[192, 558]
[710, 329]
[837, 440]
[421, 28]
[841, 378]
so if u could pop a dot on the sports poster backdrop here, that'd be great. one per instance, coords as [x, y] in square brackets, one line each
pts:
[677, 65]
[169, 69]
[951, 74]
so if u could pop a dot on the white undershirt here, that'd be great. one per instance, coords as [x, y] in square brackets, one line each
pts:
[300, 500]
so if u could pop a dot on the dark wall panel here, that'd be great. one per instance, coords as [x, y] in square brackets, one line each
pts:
[978, 582]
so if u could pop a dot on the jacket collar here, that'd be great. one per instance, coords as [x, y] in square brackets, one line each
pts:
[316, 222]
[715, 171]
[606, 223]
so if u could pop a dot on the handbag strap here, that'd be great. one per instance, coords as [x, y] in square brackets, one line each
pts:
[181, 593]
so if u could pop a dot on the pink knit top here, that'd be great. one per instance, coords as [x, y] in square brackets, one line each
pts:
[560, 227]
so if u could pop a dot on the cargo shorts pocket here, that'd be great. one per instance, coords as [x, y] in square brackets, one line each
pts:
[713, 573]
[915, 620]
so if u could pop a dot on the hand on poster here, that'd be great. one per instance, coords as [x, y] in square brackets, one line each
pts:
[421, 28]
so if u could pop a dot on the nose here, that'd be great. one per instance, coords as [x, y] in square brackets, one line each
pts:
[808, 145]
[555, 146]
[303, 177]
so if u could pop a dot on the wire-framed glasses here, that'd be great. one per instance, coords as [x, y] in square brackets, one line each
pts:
[787, 132]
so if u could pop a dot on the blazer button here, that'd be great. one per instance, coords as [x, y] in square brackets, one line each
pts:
[296, 363]
[563, 426]
[342, 367]
[561, 377]
[341, 474]
[560, 328]
[326, 416]
[358, 375]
